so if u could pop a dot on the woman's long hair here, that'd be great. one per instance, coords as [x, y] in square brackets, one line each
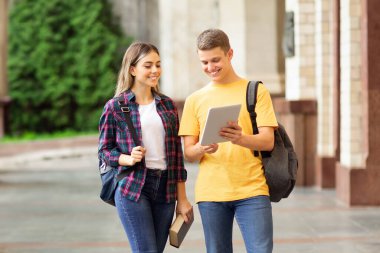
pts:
[135, 52]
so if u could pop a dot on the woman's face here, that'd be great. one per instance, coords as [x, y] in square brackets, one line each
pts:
[147, 71]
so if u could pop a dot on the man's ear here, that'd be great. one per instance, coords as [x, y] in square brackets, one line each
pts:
[230, 53]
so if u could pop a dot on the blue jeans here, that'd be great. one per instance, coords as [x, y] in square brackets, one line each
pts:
[147, 221]
[254, 217]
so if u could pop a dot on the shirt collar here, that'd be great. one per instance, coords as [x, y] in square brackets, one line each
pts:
[131, 97]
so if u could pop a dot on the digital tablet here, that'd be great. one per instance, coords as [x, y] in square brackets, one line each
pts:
[217, 118]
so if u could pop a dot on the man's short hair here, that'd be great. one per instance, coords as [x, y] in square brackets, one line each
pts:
[212, 38]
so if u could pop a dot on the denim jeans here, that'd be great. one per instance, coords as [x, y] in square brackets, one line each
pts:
[254, 217]
[147, 221]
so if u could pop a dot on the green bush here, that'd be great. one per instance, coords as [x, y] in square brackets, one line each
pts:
[62, 65]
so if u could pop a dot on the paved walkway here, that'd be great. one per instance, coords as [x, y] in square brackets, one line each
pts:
[49, 203]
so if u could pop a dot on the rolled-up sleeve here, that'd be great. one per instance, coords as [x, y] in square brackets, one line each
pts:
[107, 149]
[182, 173]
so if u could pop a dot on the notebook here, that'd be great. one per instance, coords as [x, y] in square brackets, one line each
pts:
[178, 231]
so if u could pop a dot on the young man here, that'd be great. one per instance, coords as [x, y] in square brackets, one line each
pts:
[231, 182]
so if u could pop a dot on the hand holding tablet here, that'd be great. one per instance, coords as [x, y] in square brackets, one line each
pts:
[217, 118]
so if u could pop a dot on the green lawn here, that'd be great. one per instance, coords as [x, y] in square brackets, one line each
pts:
[45, 136]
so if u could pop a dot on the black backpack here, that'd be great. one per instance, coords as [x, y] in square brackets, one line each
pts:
[109, 175]
[280, 164]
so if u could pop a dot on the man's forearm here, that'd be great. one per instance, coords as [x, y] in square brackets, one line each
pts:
[256, 142]
[194, 153]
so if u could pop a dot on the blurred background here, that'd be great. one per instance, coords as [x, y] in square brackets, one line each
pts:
[318, 58]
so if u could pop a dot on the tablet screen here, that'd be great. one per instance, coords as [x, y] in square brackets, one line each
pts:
[217, 118]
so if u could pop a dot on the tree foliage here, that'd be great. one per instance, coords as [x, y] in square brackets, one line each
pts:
[62, 64]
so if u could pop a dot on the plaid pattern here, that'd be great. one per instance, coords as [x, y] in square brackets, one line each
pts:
[116, 139]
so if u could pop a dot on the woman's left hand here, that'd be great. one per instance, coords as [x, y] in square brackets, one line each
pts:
[185, 209]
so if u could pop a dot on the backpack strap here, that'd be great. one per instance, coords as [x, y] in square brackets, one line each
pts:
[125, 109]
[251, 99]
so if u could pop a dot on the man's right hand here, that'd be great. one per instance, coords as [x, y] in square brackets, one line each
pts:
[209, 149]
[194, 151]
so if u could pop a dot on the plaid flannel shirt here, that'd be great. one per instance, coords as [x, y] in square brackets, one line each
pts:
[116, 139]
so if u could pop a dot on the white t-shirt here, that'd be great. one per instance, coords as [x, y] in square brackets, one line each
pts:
[153, 136]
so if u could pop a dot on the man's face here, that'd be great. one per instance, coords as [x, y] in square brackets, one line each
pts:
[215, 63]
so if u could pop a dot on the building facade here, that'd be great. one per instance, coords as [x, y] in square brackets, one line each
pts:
[318, 58]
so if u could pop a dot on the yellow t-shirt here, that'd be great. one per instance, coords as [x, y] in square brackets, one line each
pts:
[232, 172]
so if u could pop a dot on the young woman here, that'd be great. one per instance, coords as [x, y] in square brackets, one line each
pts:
[145, 199]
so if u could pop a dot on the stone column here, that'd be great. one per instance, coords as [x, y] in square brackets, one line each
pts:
[264, 33]
[232, 20]
[298, 112]
[138, 18]
[300, 69]
[255, 31]
[324, 79]
[4, 99]
[358, 174]
[180, 24]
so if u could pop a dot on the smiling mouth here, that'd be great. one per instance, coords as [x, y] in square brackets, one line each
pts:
[214, 73]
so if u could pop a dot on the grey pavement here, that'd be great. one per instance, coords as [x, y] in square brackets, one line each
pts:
[49, 203]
